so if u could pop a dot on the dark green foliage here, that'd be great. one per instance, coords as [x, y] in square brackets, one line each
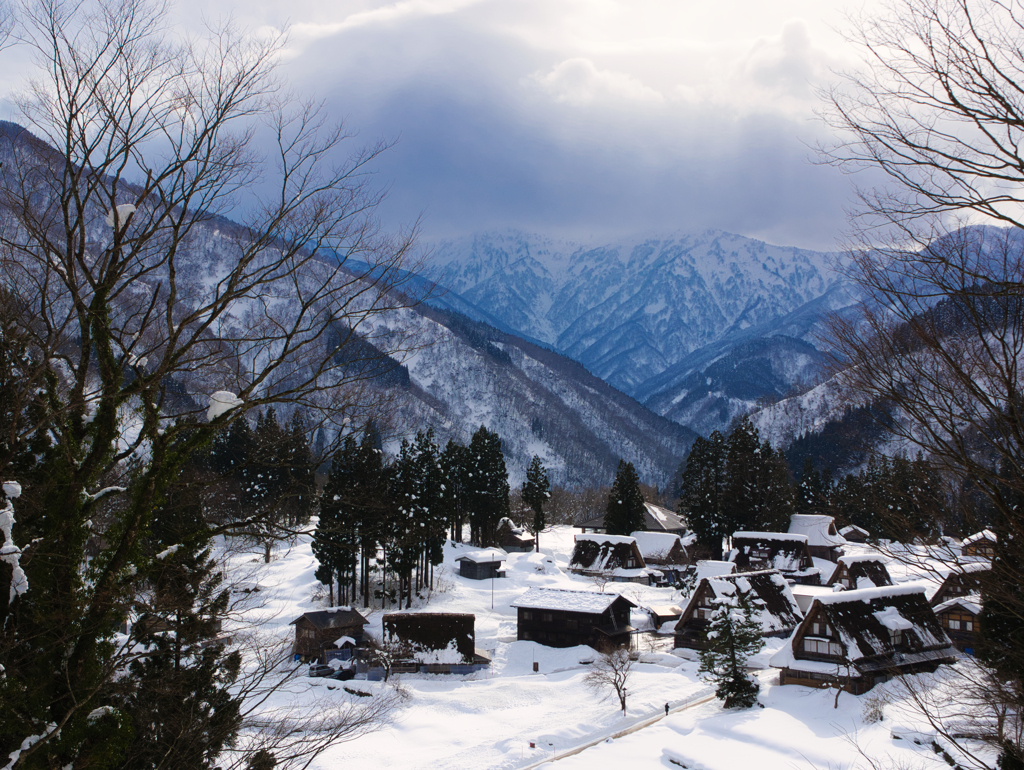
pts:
[487, 487]
[732, 636]
[454, 461]
[536, 491]
[703, 484]
[335, 540]
[625, 510]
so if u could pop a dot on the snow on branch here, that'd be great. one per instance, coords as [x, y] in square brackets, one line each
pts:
[9, 552]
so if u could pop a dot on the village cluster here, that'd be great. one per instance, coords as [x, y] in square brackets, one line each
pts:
[846, 621]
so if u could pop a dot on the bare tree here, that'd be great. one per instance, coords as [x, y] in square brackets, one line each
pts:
[137, 320]
[936, 113]
[610, 671]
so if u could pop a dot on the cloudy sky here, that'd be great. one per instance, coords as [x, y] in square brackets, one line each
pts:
[580, 117]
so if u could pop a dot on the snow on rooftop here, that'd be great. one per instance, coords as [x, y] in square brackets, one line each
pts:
[890, 618]
[869, 594]
[769, 536]
[971, 603]
[599, 538]
[655, 544]
[816, 527]
[985, 534]
[484, 556]
[854, 528]
[861, 558]
[562, 599]
[709, 568]
[663, 516]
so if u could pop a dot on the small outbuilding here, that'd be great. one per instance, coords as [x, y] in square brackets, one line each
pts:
[981, 544]
[823, 540]
[854, 534]
[862, 571]
[512, 537]
[483, 564]
[857, 639]
[755, 551]
[317, 632]
[778, 611]
[561, 618]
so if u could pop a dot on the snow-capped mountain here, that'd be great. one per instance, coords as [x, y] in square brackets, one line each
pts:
[635, 311]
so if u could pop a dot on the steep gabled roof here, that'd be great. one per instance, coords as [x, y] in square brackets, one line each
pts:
[865, 571]
[657, 545]
[785, 552]
[985, 534]
[604, 553]
[864, 621]
[971, 602]
[590, 602]
[819, 529]
[778, 611]
[658, 519]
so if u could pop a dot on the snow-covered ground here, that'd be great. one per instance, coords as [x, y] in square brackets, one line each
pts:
[489, 719]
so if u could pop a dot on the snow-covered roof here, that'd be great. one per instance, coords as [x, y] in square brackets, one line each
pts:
[819, 529]
[861, 558]
[658, 518]
[971, 603]
[484, 556]
[592, 602]
[853, 528]
[778, 610]
[985, 534]
[711, 568]
[655, 545]
[868, 595]
[599, 538]
[806, 594]
[745, 535]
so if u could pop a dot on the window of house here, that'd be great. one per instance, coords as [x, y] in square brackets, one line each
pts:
[527, 615]
[821, 647]
[307, 633]
[572, 624]
[821, 628]
[527, 635]
[895, 637]
[547, 617]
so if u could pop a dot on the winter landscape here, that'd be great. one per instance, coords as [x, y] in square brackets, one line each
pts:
[499, 384]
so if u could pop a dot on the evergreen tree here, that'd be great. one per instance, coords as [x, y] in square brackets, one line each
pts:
[625, 510]
[812, 495]
[536, 491]
[774, 499]
[335, 540]
[732, 636]
[743, 471]
[703, 482]
[454, 461]
[487, 486]
[299, 472]
[372, 507]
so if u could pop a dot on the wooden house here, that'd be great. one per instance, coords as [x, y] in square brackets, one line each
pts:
[512, 537]
[560, 618]
[857, 639]
[778, 614]
[963, 579]
[483, 564]
[755, 551]
[616, 557]
[823, 540]
[656, 519]
[863, 571]
[854, 534]
[959, 619]
[981, 544]
[431, 643]
[666, 551]
[316, 632]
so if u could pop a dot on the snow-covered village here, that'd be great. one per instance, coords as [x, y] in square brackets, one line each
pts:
[511, 384]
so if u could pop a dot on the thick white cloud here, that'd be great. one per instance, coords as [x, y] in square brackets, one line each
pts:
[578, 81]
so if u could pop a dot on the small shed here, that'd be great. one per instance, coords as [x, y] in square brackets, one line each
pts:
[788, 553]
[854, 534]
[857, 639]
[560, 618]
[615, 556]
[512, 537]
[862, 571]
[778, 613]
[823, 540]
[981, 544]
[959, 619]
[317, 632]
[483, 564]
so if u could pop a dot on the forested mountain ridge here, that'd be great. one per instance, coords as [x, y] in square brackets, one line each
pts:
[647, 314]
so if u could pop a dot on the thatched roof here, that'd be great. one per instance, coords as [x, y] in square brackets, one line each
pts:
[428, 631]
[336, 617]
[770, 550]
[605, 553]
[862, 571]
[778, 610]
[819, 529]
[589, 602]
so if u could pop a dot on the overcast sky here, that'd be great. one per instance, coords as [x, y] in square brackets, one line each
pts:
[580, 117]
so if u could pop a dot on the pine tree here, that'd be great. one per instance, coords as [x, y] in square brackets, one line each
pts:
[335, 540]
[743, 472]
[774, 503]
[625, 509]
[299, 472]
[732, 636]
[703, 481]
[454, 461]
[486, 485]
[536, 491]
